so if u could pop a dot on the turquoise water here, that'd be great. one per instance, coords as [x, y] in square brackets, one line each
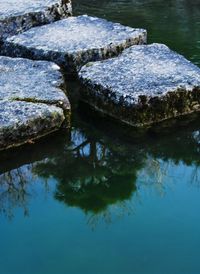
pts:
[105, 199]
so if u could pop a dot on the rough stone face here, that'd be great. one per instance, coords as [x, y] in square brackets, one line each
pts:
[73, 42]
[33, 81]
[32, 102]
[24, 121]
[19, 15]
[144, 85]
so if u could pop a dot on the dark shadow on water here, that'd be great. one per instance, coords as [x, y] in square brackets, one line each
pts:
[97, 165]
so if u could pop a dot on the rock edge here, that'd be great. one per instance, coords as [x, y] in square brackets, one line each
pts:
[153, 84]
[32, 101]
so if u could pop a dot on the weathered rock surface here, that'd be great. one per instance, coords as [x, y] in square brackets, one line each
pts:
[144, 85]
[19, 15]
[73, 42]
[32, 102]
[35, 81]
[24, 121]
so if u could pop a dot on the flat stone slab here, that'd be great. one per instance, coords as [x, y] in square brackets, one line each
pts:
[32, 100]
[73, 42]
[19, 15]
[24, 121]
[143, 86]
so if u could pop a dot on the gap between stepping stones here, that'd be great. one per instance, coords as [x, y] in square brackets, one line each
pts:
[17, 16]
[73, 42]
[32, 100]
[143, 86]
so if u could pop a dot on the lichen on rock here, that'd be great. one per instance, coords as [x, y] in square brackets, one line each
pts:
[143, 86]
[17, 16]
[74, 41]
[21, 122]
[32, 100]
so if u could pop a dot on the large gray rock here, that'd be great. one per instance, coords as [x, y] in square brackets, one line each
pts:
[73, 42]
[19, 15]
[144, 85]
[21, 122]
[32, 100]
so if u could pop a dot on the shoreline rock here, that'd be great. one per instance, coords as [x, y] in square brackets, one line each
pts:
[152, 85]
[17, 16]
[73, 42]
[32, 101]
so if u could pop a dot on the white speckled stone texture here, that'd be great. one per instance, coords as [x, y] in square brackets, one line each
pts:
[144, 85]
[74, 41]
[32, 100]
[17, 16]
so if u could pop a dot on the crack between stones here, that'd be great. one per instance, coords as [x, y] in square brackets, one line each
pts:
[35, 101]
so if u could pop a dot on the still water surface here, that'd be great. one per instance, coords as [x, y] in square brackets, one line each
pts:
[103, 199]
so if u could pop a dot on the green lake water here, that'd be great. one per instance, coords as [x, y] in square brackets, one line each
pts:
[105, 199]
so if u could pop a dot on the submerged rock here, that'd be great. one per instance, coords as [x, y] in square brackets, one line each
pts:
[73, 42]
[32, 102]
[143, 86]
[19, 15]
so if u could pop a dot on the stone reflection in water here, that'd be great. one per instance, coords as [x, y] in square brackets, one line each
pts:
[96, 172]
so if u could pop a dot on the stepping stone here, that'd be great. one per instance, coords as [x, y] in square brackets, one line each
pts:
[143, 86]
[32, 100]
[73, 42]
[24, 121]
[19, 15]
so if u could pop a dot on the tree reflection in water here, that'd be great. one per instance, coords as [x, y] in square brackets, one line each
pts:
[13, 190]
[95, 171]
[92, 175]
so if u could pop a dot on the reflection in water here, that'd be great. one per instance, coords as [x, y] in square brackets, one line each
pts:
[97, 172]
[96, 169]
[100, 173]
[91, 174]
[13, 190]
[17, 177]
